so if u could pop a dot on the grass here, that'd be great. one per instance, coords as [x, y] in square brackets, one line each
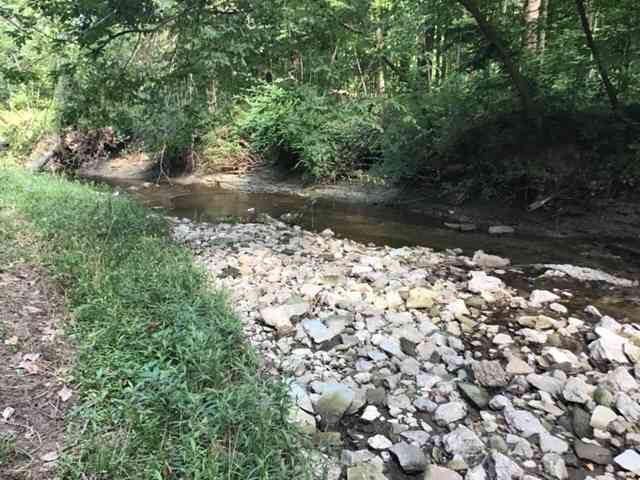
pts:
[170, 389]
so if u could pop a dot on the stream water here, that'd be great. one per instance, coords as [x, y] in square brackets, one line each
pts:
[396, 227]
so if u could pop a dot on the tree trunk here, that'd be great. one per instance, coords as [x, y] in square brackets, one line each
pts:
[532, 18]
[491, 35]
[602, 69]
[380, 47]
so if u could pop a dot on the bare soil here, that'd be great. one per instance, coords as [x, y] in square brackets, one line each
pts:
[35, 361]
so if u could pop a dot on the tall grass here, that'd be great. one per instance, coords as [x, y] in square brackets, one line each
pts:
[169, 387]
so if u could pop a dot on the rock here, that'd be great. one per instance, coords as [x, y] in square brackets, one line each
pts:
[539, 322]
[387, 344]
[434, 472]
[551, 444]
[410, 457]
[546, 383]
[591, 275]
[490, 261]
[502, 339]
[629, 460]
[450, 412]
[354, 457]
[334, 402]
[379, 442]
[280, 317]
[305, 421]
[561, 356]
[475, 394]
[458, 308]
[627, 407]
[602, 417]
[300, 396]
[540, 297]
[490, 373]
[533, 336]
[519, 446]
[592, 452]
[603, 397]
[524, 422]
[366, 471]
[558, 308]
[464, 443]
[505, 468]
[581, 423]
[610, 347]
[633, 353]
[554, 466]
[501, 230]
[476, 473]
[416, 437]
[421, 298]
[577, 390]
[621, 380]
[480, 282]
[593, 311]
[516, 366]
[317, 331]
[370, 414]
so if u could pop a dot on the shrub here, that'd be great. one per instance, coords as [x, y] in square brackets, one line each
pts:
[323, 135]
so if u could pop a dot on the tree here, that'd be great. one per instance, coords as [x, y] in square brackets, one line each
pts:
[602, 69]
[506, 57]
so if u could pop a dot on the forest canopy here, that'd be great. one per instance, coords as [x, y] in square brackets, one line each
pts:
[512, 90]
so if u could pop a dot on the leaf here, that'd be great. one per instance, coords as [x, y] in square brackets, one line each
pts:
[11, 340]
[8, 412]
[29, 363]
[65, 393]
[49, 456]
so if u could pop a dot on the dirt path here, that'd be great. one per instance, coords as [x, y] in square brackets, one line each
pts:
[35, 362]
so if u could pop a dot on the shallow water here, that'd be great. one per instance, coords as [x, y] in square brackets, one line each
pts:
[373, 224]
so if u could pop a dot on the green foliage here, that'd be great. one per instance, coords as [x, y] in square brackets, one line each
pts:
[168, 382]
[324, 136]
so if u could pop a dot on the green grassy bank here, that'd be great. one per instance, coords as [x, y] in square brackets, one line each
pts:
[169, 387]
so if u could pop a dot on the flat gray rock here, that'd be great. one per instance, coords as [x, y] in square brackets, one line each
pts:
[450, 412]
[334, 402]
[475, 394]
[410, 457]
[524, 422]
[592, 453]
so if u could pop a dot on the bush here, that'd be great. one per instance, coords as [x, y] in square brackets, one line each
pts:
[22, 128]
[324, 136]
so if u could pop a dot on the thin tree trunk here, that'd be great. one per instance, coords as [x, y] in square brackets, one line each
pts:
[380, 47]
[490, 33]
[602, 69]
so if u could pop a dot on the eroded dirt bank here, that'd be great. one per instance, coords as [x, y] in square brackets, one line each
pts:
[419, 362]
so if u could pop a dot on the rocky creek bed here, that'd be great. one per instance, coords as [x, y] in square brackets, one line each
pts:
[426, 364]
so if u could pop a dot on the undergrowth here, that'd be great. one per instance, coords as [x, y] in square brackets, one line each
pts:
[170, 389]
